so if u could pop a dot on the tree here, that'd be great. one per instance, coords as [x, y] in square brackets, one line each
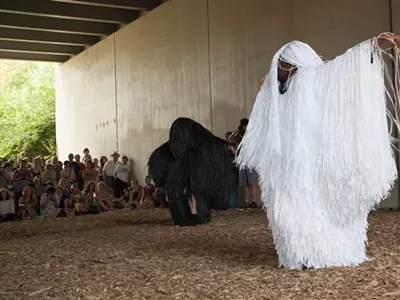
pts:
[27, 108]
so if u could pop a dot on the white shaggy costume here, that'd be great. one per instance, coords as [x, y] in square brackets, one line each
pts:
[323, 153]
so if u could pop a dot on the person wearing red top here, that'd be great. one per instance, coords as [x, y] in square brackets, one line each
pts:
[148, 189]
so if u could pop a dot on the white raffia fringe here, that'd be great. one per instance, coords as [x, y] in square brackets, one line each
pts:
[323, 153]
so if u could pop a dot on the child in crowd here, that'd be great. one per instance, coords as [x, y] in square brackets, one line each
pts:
[77, 200]
[49, 205]
[7, 207]
[148, 192]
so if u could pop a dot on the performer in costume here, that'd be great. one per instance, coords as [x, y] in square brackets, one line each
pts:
[318, 138]
[196, 169]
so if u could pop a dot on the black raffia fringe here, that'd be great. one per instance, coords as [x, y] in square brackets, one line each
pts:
[197, 160]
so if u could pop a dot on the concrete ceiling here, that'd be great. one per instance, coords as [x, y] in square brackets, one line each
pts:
[56, 30]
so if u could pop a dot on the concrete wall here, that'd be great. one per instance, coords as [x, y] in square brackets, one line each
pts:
[86, 102]
[195, 58]
[162, 71]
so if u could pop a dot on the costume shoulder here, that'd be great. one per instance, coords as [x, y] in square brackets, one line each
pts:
[187, 135]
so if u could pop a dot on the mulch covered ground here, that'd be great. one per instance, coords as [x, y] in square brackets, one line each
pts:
[141, 255]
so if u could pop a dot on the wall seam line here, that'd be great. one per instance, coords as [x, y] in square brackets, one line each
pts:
[116, 94]
[209, 67]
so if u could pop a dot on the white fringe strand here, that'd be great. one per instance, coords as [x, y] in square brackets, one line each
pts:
[323, 153]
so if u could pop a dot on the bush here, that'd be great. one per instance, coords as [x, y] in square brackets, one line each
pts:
[27, 110]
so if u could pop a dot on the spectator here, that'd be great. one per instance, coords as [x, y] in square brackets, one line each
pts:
[21, 178]
[49, 174]
[49, 183]
[96, 167]
[82, 168]
[121, 174]
[148, 189]
[86, 154]
[42, 162]
[91, 206]
[77, 200]
[135, 195]
[39, 188]
[247, 178]
[232, 198]
[59, 194]
[104, 198]
[64, 184]
[68, 173]
[27, 203]
[6, 175]
[228, 136]
[243, 125]
[74, 166]
[57, 167]
[7, 207]
[36, 168]
[49, 205]
[89, 175]
[148, 194]
[63, 195]
[103, 161]
[108, 171]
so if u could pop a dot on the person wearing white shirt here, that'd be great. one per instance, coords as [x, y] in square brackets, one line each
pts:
[121, 174]
[108, 171]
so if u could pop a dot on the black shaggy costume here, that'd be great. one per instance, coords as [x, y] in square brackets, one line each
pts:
[193, 162]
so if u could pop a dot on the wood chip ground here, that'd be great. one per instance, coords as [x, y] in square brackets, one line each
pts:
[141, 255]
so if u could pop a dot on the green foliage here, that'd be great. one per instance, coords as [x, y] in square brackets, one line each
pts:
[27, 108]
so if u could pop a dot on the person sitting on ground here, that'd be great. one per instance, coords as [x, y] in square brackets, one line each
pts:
[49, 204]
[92, 205]
[65, 184]
[148, 191]
[104, 198]
[62, 194]
[77, 200]
[135, 195]
[27, 203]
[147, 198]
[126, 195]
[68, 173]
[7, 207]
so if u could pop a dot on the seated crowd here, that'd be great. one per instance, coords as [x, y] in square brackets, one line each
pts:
[50, 189]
